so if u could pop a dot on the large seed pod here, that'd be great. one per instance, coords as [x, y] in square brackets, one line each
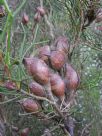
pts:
[36, 89]
[25, 19]
[44, 53]
[57, 59]
[30, 105]
[25, 132]
[38, 69]
[71, 78]
[62, 44]
[57, 85]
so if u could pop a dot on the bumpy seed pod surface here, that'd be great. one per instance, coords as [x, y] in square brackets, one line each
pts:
[44, 53]
[30, 105]
[57, 59]
[36, 89]
[25, 19]
[25, 132]
[62, 44]
[71, 78]
[57, 85]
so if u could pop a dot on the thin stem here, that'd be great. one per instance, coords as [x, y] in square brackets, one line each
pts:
[36, 97]
[33, 43]
[19, 8]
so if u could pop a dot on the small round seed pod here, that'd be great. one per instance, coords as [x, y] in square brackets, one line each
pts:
[30, 105]
[10, 85]
[25, 132]
[37, 17]
[41, 10]
[25, 19]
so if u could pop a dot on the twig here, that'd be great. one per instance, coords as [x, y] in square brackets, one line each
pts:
[77, 39]
[26, 114]
[10, 100]
[36, 97]
[48, 86]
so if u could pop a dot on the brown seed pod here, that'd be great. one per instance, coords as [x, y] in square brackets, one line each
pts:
[37, 17]
[25, 132]
[30, 105]
[38, 69]
[57, 59]
[57, 85]
[36, 89]
[25, 19]
[41, 10]
[62, 44]
[44, 53]
[71, 78]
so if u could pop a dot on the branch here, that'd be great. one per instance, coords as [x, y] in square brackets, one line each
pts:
[36, 97]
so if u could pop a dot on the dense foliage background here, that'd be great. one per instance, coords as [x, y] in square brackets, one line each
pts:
[63, 18]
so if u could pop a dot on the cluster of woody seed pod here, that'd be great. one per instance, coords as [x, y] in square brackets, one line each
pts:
[46, 68]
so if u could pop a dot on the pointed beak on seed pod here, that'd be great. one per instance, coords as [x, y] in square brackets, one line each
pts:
[57, 59]
[25, 132]
[71, 78]
[30, 105]
[57, 85]
[36, 89]
[44, 53]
